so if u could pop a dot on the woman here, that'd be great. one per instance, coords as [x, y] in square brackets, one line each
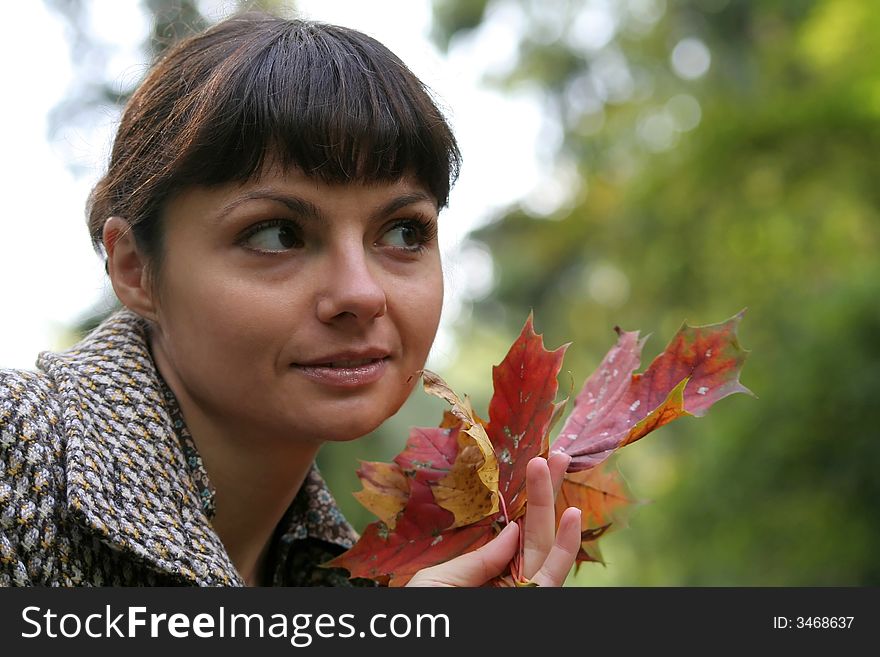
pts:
[269, 219]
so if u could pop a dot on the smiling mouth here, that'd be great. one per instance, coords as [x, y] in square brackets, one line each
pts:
[345, 373]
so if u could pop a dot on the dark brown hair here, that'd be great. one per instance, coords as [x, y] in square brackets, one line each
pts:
[330, 101]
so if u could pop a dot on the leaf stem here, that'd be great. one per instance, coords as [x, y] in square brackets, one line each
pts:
[516, 563]
[504, 509]
[519, 557]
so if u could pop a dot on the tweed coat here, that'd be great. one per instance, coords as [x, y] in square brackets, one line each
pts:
[96, 487]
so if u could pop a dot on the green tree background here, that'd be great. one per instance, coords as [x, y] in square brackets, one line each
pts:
[769, 203]
[681, 192]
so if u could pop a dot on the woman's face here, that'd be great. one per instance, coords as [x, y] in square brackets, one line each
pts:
[298, 308]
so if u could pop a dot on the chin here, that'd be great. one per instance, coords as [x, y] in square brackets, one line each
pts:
[344, 425]
[342, 420]
[348, 431]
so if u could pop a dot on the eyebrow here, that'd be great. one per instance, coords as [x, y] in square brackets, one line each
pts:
[309, 210]
[295, 204]
[401, 202]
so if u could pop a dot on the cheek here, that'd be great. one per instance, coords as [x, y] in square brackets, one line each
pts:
[212, 311]
[418, 305]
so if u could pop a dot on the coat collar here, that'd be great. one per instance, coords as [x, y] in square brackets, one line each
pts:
[126, 474]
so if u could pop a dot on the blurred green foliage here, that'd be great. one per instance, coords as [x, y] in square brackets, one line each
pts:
[770, 203]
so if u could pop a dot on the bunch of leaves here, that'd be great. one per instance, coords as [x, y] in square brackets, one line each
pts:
[455, 486]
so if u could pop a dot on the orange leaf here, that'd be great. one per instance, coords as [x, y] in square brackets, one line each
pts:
[602, 496]
[385, 490]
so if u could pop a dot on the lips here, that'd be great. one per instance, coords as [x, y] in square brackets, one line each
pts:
[346, 370]
[348, 363]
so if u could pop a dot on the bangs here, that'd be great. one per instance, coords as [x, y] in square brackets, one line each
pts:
[332, 102]
[257, 90]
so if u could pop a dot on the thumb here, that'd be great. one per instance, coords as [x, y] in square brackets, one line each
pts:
[474, 568]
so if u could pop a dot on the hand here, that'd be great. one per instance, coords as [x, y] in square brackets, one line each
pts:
[548, 555]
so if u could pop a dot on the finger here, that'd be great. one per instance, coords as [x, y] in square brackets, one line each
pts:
[540, 522]
[474, 568]
[561, 558]
[558, 463]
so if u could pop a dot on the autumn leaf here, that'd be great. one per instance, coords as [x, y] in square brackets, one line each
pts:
[428, 457]
[440, 497]
[425, 531]
[521, 411]
[469, 497]
[385, 491]
[392, 557]
[604, 500]
[392, 552]
[700, 366]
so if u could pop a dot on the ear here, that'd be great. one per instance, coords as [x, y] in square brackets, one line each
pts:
[127, 268]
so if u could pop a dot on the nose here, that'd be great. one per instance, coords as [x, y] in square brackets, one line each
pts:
[352, 291]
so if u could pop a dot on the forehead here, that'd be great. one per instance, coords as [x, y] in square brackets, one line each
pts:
[302, 194]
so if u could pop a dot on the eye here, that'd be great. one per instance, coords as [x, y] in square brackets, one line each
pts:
[273, 236]
[409, 234]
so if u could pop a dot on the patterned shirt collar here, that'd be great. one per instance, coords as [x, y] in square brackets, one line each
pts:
[191, 455]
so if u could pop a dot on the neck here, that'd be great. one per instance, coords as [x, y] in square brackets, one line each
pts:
[255, 475]
[254, 488]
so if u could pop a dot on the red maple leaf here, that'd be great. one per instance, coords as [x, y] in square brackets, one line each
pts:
[453, 487]
[521, 410]
[700, 365]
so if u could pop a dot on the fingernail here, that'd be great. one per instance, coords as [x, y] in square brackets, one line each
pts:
[565, 454]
